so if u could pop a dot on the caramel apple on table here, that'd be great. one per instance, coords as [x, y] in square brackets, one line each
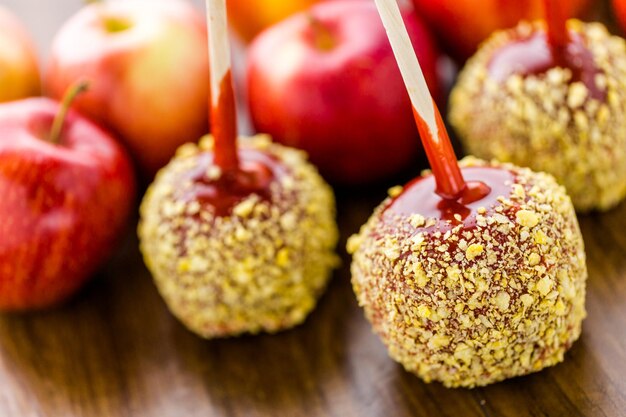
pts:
[238, 233]
[473, 273]
[550, 96]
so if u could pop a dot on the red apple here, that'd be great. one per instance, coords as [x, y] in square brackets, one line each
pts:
[463, 24]
[326, 81]
[619, 6]
[19, 72]
[63, 203]
[146, 61]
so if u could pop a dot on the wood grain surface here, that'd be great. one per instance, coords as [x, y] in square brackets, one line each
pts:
[114, 350]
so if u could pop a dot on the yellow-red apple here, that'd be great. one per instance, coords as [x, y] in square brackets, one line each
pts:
[147, 64]
[19, 72]
[249, 17]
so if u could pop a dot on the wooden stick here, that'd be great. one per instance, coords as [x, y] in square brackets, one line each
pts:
[448, 176]
[556, 21]
[223, 111]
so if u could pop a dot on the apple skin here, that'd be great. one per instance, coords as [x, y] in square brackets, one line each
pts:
[249, 17]
[345, 105]
[463, 24]
[63, 205]
[19, 70]
[148, 83]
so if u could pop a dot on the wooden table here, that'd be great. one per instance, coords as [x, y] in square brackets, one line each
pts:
[116, 351]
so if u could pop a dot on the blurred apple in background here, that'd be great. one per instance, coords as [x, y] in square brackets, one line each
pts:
[65, 201]
[146, 61]
[249, 17]
[326, 81]
[463, 24]
[19, 73]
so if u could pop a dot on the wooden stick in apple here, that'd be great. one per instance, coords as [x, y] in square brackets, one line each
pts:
[556, 21]
[276, 222]
[222, 105]
[481, 232]
[448, 176]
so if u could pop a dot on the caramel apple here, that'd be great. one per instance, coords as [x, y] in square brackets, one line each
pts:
[472, 273]
[551, 98]
[239, 255]
[239, 237]
[472, 294]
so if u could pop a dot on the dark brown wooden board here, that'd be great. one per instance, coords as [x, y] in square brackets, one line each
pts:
[114, 350]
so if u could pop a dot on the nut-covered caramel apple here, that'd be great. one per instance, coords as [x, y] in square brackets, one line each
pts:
[239, 255]
[473, 294]
[474, 273]
[552, 102]
[239, 237]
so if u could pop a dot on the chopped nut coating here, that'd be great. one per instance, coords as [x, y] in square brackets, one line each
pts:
[488, 301]
[262, 267]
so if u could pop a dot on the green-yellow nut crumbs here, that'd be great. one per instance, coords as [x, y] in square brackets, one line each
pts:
[261, 268]
[547, 122]
[475, 305]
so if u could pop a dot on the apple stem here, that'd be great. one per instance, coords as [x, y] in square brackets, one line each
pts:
[448, 177]
[556, 21]
[322, 36]
[66, 103]
[223, 111]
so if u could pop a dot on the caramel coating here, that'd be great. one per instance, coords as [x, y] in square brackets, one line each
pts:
[548, 123]
[469, 306]
[261, 268]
